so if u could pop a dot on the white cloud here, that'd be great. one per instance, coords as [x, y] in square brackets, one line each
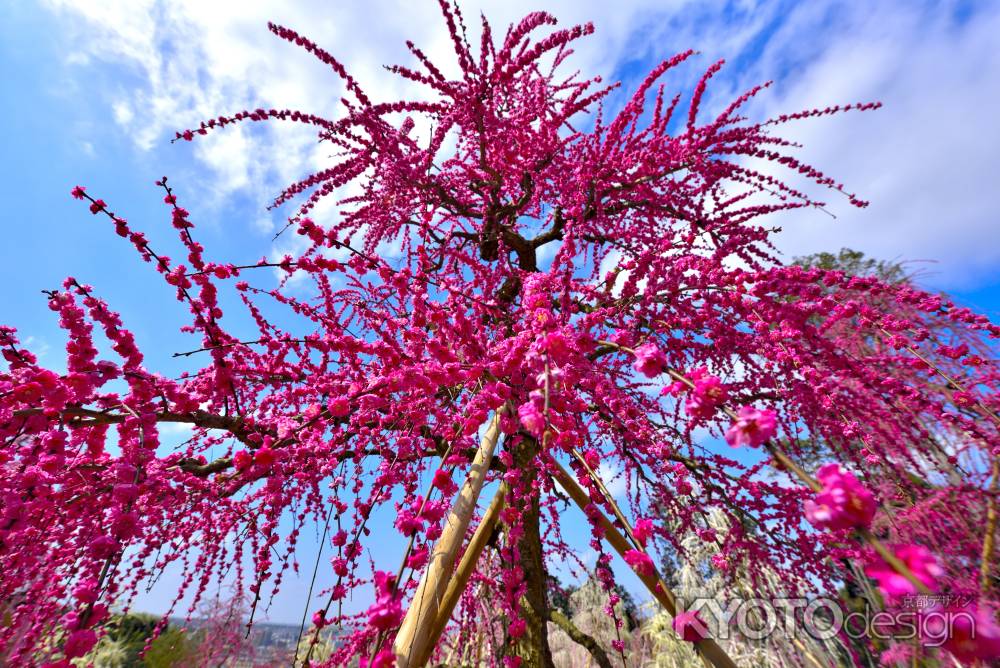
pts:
[40, 348]
[123, 113]
[927, 160]
[175, 430]
[613, 477]
[228, 155]
[195, 61]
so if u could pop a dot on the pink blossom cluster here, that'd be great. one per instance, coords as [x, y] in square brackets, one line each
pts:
[706, 396]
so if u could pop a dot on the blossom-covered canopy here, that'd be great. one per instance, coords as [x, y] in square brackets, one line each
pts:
[587, 272]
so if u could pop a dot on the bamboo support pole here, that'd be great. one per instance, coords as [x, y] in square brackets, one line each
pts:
[708, 648]
[989, 537]
[414, 634]
[466, 566]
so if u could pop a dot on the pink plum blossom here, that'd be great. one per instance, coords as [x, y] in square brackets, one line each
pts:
[643, 530]
[531, 417]
[386, 612]
[640, 562]
[974, 634]
[650, 361]
[690, 626]
[752, 427]
[79, 642]
[706, 396]
[843, 503]
[918, 559]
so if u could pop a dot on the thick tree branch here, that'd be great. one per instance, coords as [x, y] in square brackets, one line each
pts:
[580, 638]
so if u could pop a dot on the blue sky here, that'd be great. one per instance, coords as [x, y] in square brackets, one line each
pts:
[93, 90]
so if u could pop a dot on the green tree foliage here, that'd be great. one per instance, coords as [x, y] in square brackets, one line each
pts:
[126, 637]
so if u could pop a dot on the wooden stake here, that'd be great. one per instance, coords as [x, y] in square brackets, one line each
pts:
[708, 648]
[414, 634]
[458, 582]
[989, 539]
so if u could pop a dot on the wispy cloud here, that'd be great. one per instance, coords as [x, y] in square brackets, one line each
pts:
[189, 61]
[926, 161]
[613, 478]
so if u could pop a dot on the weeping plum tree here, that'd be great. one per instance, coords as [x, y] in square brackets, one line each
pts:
[570, 292]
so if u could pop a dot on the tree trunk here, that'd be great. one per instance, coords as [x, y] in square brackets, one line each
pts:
[533, 646]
